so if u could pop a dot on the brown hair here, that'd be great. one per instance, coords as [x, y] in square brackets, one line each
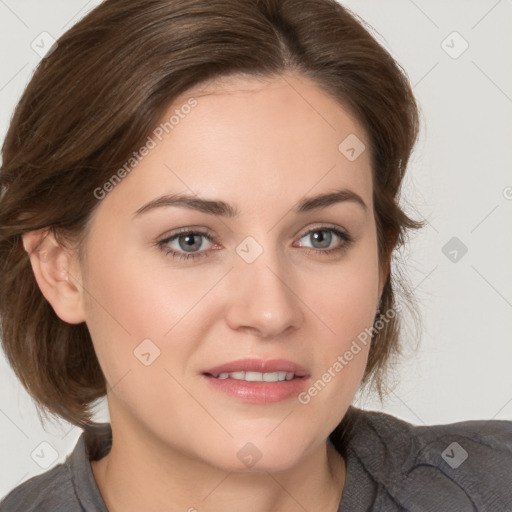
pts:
[98, 95]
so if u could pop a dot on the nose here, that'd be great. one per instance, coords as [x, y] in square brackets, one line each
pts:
[263, 301]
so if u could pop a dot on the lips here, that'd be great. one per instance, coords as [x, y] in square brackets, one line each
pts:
[258, 365]
[258, 381]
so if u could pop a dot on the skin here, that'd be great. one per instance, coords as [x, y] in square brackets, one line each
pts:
[261, 146]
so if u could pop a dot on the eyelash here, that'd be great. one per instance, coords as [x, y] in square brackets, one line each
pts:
[162, 245]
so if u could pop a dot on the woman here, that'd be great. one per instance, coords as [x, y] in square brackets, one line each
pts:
[199, 211]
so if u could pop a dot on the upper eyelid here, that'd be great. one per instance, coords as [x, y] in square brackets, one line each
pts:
[184, 231]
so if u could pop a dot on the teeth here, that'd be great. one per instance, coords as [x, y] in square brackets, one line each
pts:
[282, 375]
[257, 376]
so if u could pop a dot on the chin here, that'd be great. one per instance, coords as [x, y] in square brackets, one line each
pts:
[257, 456]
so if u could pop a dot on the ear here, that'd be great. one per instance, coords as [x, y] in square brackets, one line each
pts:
[52, 264]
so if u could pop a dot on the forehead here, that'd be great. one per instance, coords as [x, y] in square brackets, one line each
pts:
[255, 139]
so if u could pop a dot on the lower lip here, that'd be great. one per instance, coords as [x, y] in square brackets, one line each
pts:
[259, 392]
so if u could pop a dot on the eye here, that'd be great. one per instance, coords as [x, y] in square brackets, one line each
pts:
[322, 238]
[190, 244]
[185, 244]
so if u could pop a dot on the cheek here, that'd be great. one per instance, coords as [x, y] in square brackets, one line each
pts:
[344, 295]
[132, 289]
[132, 299]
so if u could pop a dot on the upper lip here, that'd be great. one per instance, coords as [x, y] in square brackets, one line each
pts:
[259, 365]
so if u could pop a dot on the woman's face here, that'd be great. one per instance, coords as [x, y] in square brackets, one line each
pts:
[264, 280]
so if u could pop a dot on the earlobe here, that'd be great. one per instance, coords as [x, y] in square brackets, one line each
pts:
[51, 264]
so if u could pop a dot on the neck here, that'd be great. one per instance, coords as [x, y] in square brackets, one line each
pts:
[141, 474]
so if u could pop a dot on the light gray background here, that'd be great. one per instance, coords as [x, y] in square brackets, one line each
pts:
[460, 179]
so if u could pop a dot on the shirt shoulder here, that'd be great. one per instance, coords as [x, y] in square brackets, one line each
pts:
[459, 466]
[69, 486]
[47, 492]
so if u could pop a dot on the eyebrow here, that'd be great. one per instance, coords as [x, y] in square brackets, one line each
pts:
[221, 208]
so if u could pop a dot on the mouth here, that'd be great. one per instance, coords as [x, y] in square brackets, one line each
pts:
[258, 381]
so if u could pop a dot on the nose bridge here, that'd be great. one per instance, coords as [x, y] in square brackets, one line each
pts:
[262, 298]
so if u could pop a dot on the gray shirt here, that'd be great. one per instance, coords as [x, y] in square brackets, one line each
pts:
[392, 465]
